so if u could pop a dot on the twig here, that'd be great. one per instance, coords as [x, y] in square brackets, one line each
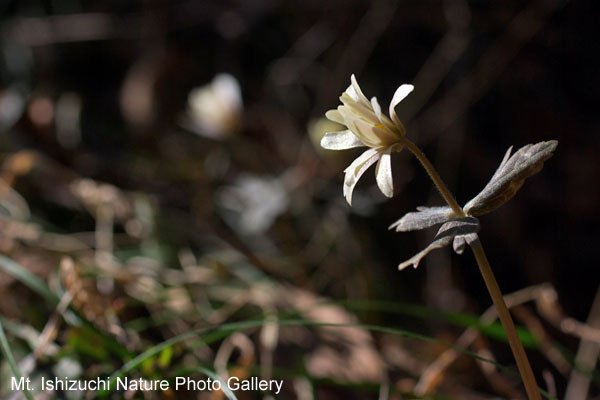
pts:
[548, 307]
[498, 382]
[359, 46]
[432, 374]
[550, 383]
[586, 358]
[448, 50]
[545, 343]
[459, 98]
[51, 328]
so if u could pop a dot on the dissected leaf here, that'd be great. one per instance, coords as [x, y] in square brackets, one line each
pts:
[425, 217]
[510, 176]
[461, 230]
[461, 241]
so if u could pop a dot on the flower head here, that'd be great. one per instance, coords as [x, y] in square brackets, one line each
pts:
[367, 127]
[215, 110]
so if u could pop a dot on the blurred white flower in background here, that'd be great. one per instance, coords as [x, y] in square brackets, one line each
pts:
[254, 202]
[367, 127]
[12, 104]
[215, 110]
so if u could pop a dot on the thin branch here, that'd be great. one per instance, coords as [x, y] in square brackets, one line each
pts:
[523, 28]
[586, 358]
[431, 376]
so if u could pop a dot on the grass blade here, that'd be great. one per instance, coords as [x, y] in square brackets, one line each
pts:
[28, 279]
[11, 359]
[209, 334]
[224, 386]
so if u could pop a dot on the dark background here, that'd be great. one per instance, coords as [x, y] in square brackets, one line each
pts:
[487, 76]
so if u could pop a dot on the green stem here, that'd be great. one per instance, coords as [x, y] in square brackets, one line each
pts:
[516, 346]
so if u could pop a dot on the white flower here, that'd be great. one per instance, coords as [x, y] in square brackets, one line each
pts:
[215, 110]
[367, 126]
[254, 202]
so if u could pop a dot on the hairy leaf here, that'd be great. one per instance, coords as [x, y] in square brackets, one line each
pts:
[461, 231]
[423, 218]
[510, 176]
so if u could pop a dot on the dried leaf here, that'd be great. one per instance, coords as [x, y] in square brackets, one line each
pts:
[344, 354]
[510, 176]
[425, 217]
[461, 230]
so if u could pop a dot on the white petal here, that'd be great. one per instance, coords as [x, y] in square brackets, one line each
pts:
[401, 93]
[228, 89]
[362, 97]
[384, 173]
[371, 135]
[376, 107]
[364, 157]
[351, 114]
[357, 107]
[340, 140]
[361, 128]
[356, 169]
[350, 91]
[335, 116]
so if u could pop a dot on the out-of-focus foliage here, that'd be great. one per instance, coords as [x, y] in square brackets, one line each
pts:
[160, 174]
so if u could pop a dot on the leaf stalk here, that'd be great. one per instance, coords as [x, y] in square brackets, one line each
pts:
[527, 376]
